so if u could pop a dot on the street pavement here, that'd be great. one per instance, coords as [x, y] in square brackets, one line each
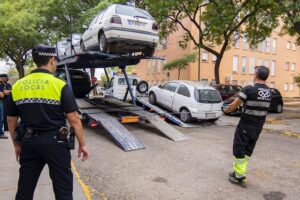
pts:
[9, 177]
[196, 169]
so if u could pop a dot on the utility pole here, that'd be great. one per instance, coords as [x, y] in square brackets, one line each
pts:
[199, 46]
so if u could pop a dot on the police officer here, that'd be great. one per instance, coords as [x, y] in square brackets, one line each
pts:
[256, 100]
[6, 90]
[42, 102]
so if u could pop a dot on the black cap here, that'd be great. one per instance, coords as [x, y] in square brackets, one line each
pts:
[42, 50]
[3, 76]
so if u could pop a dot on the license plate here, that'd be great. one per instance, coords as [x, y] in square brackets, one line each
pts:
[134, 23]
[210, 114]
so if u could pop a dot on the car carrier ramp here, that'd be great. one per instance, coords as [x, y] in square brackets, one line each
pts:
[153, 118]
[123, 137]
[173, 119]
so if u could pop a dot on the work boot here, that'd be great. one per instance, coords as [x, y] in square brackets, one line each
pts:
[237, 181]
[3, 136]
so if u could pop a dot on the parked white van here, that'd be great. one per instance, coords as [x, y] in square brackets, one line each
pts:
[189, 99]
[118, 86]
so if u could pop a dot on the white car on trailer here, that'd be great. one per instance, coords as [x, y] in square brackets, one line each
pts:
[189, 99]
[121, 29]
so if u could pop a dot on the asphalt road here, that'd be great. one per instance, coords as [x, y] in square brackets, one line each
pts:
[196, 169]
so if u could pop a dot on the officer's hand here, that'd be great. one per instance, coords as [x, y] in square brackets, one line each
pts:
[17, 151]
[6, 92]
[83, 153]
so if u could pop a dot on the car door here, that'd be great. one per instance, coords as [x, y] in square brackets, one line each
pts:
[96, 27]
[167, 93]
[87, 36]
[182, 97]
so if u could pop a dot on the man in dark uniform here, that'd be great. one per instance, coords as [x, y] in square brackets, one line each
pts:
[256, 100]
[2, 136]
[42, 102]
[6, 89]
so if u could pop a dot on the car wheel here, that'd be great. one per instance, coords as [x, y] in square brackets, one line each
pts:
[82, 47]
[142, 87]
[152, 98]
[102, 42]
[279, 108]
[148, 51]
[185, 115]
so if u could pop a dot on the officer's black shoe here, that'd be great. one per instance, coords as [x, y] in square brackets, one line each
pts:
[237, 181]
[3, 137]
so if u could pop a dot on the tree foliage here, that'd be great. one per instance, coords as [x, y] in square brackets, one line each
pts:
[180, 63]
[216, 22]
[26, 23]
[289, 11]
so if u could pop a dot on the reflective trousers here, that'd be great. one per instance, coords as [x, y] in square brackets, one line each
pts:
[244, 142]
[36, 152]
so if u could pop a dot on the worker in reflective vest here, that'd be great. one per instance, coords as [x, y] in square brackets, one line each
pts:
[42, 102]
[256, 100]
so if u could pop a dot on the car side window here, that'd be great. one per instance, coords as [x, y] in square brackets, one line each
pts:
[170, 87]
[184, 91]
[100, 16]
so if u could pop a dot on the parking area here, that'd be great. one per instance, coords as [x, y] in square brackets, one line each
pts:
[197, 168]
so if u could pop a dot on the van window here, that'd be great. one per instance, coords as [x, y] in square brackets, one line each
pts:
[170, 86]
[122, 81]
[207, 96]
[184, 91]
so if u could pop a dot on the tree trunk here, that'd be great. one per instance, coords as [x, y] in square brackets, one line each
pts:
[178, 74]
[217, 68]
[20, 69]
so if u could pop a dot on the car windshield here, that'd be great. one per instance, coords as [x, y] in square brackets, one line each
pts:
[207, 96]
[132, 11]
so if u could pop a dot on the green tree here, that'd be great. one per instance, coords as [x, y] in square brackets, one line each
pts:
[289, 10]
[216, 22]
[26, 23]
[27, 69]
[20, 30]
[297, 80]
[181, 63]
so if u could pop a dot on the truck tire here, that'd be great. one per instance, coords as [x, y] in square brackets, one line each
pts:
[142, 87]
[279, 108]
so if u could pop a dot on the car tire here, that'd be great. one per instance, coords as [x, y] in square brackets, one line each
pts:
[82, 47]
[279, 108]
[152, 98]
[185, 115]
[148, 52]
[102, 42]
[142, 87]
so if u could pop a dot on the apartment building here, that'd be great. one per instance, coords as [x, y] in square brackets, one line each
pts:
[279, 53]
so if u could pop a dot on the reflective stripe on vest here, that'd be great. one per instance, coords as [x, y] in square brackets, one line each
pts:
[38, 88]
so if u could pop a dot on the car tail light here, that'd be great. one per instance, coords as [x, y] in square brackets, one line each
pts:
[115, 20]
[154, 26]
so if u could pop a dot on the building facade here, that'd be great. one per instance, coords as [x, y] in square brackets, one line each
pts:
[280, 53]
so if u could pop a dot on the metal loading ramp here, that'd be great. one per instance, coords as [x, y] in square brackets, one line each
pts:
[120, 134]
[156, 120]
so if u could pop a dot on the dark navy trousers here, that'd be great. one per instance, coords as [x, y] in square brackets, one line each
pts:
[37, 151]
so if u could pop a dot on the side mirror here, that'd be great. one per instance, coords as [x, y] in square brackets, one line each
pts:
[160, 86]
[85, 26]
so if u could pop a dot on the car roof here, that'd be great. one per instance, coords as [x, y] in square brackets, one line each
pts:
[196, 84]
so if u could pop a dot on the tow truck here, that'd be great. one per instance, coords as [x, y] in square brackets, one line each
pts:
[111, 113]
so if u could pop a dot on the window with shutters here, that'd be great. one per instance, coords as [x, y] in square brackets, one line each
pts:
[235, 64]
[268, 44]
[244, 64]
[274, 45]
[293, 66]
[204, 56]
[251, 65]
[273, 68]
